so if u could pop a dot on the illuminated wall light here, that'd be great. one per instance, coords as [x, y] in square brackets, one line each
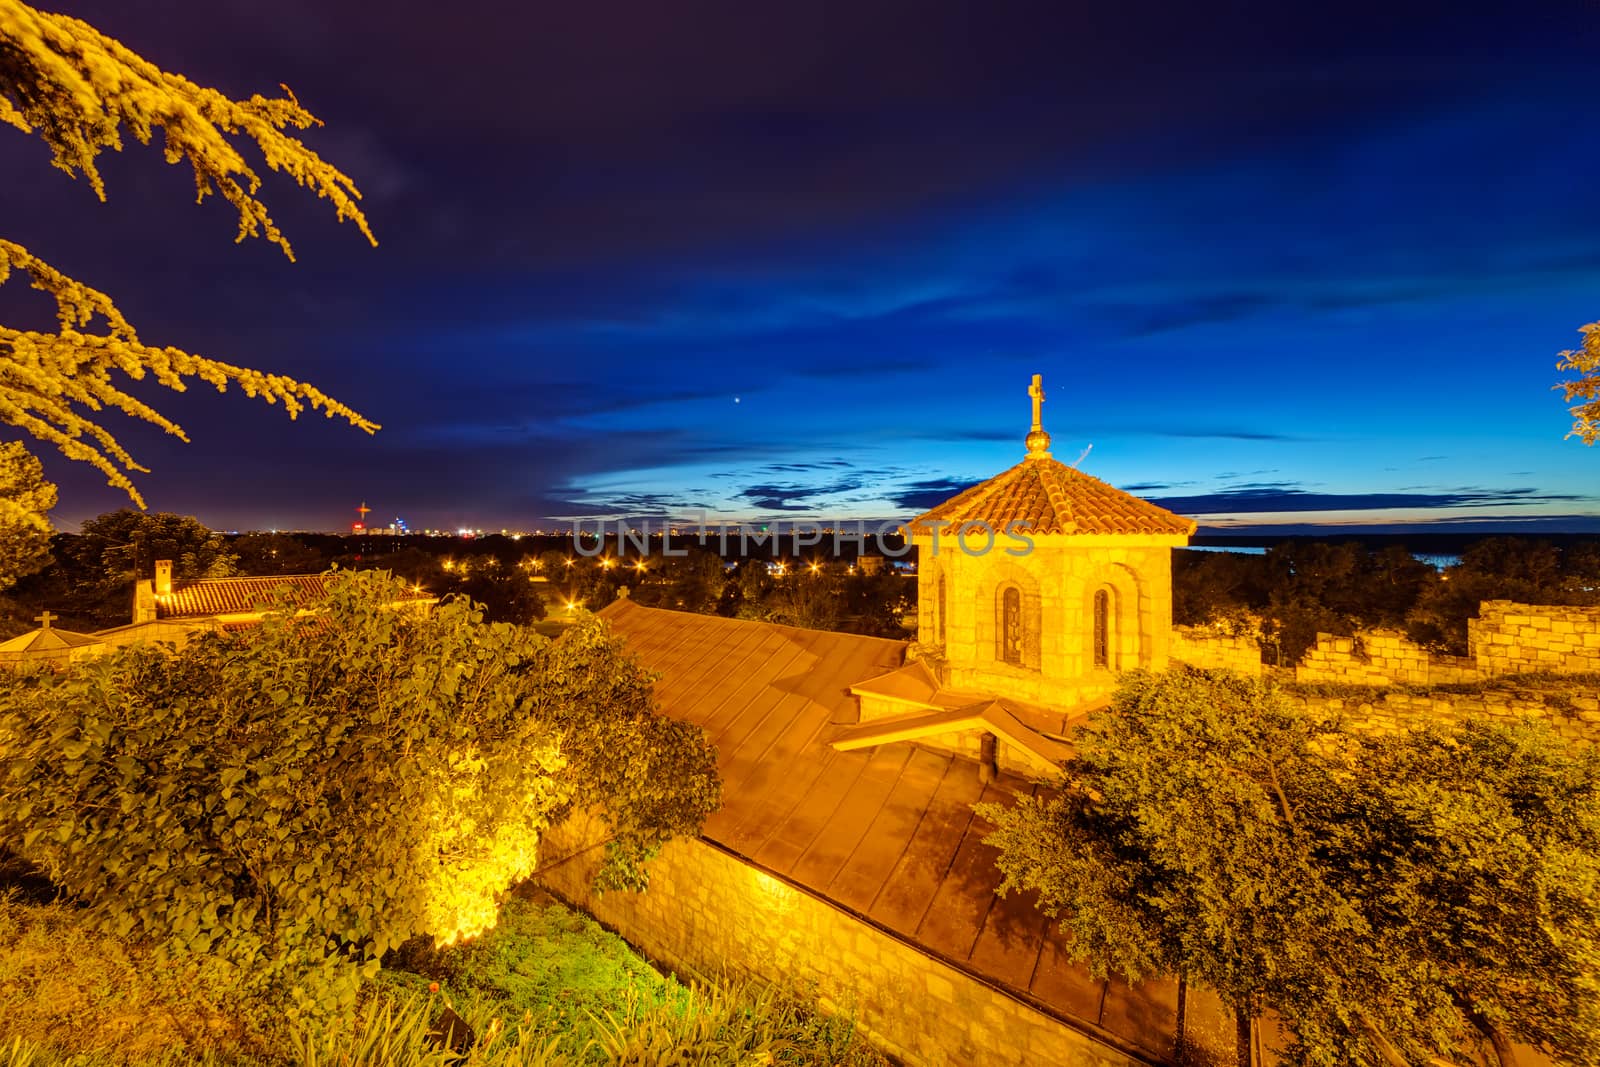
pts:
[780, 898]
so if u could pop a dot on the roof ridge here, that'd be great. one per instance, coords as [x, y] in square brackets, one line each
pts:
[1041, 495]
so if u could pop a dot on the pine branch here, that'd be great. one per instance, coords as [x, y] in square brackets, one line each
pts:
[77, 88]
[46, 378]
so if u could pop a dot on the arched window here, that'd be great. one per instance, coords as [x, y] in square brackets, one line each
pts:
[1010, 628]
[1102, 628]
[939, 607]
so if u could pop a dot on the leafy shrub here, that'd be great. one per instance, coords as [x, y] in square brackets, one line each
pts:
[298, 799]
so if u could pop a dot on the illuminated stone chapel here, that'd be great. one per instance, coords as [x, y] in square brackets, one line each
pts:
[1035, 589]
[1043, 582]
[847, 853]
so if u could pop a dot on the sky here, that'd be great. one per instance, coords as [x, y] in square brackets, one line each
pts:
[1277, 263]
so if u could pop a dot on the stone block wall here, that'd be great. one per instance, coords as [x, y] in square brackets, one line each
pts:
[1057, 580]
[1505, 638]
[1200, 647]
[1575, 717]
[1509, 638]
[709, 912]
[1380, 657]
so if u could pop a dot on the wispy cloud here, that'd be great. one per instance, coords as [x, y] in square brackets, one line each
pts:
[1266, 500]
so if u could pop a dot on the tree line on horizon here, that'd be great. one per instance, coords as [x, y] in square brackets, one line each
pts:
[1297, 589]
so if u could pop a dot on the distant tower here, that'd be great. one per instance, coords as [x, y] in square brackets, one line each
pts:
[360, 525]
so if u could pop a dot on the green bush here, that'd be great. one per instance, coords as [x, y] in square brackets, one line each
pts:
[296, 800]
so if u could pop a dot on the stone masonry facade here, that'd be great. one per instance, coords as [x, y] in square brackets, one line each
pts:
[1058, 581]
[1505, 638]
[1574, 717]
[1512, 638]
[710, 913]
[1381, 657]
[1198, 646]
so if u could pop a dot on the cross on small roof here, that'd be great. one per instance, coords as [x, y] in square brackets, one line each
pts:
[44, 620]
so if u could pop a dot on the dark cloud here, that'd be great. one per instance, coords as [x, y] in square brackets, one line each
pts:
[794, 497]
[597, 230]
[922, 495]
[1280, 499]
[1224, 433]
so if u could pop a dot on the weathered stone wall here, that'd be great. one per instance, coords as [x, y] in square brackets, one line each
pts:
[708, 912]
[1505, 638]
[1574, 716]
[1200, 647]
[1057, 581]
[1380, 657]
[1508, 638]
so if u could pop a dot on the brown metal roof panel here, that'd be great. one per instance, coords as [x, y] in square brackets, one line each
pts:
[910, 888]
[964, 898]
[1059, 981]
[855, 812]
[864, 874]
[776, 657]
[743, 756]
[700, 702]
[714, 654]
[1009, 943]
[844, 661]
[763, 758]
[1145, 1014]
[756, 820]
[799, 828]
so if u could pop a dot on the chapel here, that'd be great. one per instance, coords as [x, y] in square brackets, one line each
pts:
[847, 854]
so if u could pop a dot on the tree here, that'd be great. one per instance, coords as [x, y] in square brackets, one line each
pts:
[1175, 850]
[1585, 388]
[77, 89]
[277, 553]
[89, 585]
[504, 591]
[1502, 568]
[25, 498]
[126, 543]
[1394, 901]
[1325, 588]
[1479, 853]
[294, 801]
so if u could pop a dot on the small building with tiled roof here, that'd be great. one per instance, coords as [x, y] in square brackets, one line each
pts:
[847, 853]
[1044, 582]
[231, 603]
[49, 645]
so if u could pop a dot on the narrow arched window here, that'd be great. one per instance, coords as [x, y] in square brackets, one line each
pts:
[939, 607]
[1011, 626]
[1102, 628]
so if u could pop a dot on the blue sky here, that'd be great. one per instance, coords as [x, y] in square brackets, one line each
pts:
[1275, 267]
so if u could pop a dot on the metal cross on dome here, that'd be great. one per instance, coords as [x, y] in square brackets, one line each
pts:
[45, 619]
[1036, 390]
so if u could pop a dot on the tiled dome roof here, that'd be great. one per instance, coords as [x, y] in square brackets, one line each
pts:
[1052, 498]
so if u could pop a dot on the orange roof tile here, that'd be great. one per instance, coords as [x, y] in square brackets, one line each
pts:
[887, 832]
[1053, 498]
[204, 597]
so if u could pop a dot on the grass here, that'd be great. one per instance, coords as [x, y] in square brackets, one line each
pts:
[1550, 687]
[65, 987]
[547, 986]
